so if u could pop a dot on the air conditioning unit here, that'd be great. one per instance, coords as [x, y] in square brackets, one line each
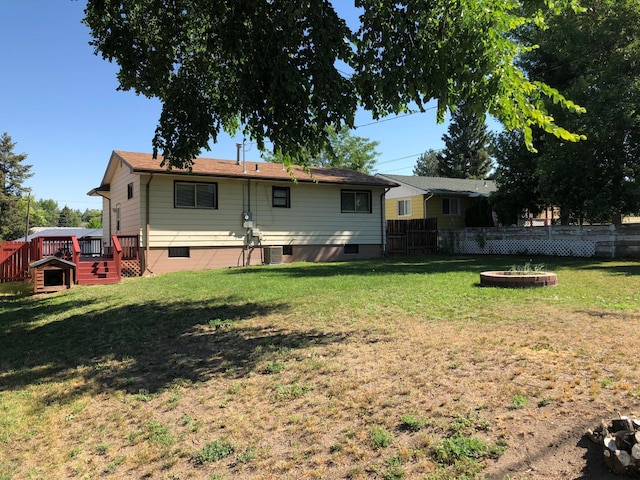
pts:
[272, 255]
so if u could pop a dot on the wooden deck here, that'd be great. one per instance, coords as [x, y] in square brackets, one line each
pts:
[91, 268]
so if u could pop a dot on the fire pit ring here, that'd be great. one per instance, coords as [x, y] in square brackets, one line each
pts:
[509, 279]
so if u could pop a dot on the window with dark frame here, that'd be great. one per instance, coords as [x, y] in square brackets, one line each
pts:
[281, 197]
[179, 252]
[130, 191]
[450, 206]
[355, 201]
[404, 208]
[287, 250]
[195, 195]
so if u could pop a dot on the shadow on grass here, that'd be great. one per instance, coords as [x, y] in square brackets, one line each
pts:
[139, 347]
[392, 265]
[629, 270]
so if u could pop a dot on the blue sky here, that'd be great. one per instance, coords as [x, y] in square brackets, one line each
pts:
[59, 103]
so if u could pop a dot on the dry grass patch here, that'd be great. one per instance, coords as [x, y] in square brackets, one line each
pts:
[387, 369]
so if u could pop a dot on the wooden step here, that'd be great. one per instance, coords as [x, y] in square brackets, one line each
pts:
[96, 272]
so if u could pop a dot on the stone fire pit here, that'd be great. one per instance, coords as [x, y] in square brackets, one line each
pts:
[511, 279]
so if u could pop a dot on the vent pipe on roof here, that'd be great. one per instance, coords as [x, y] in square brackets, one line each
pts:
[257, 167]
[238, 147]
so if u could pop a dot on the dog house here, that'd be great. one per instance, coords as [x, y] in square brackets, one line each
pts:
[52, 274]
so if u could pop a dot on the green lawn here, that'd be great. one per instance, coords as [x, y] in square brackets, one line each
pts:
[396, 368]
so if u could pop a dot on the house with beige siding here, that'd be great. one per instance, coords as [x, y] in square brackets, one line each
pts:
[446, 199]
[225, 213]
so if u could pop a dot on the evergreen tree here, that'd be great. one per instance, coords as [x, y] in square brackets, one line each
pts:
[428, 164]
[69, 217]
[466, 153]
[12, 175]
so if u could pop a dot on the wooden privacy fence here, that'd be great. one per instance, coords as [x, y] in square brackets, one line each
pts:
[14, 261]
[412, 237]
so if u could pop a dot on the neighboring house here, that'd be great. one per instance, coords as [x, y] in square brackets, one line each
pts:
[226, 213]
[446, 199]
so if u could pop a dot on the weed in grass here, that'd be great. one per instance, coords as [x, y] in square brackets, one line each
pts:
[518, 402]
[413, 423]
[380, 438]
[466, 449]
[73, 452]
[235, 388]
[102, 448]
[111, 468]
[213, 451]
[393, 470]
[154, 432]
[145, 396]
[336, 448]
[173, 401]
[248, 455]
[468, 423]
[606, 382]
[185, 419]
[290, 392]
[275, 367]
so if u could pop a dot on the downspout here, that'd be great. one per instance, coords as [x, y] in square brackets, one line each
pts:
[109, 210]
[147, 228]
[383, 237]
[427, 197]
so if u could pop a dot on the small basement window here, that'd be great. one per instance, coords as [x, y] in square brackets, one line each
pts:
[352, 249]
[179, 252]
[287, 250]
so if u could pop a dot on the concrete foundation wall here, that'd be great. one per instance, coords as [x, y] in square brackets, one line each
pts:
[206, 258]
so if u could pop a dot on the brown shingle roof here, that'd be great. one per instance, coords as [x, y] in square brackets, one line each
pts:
[145, 163]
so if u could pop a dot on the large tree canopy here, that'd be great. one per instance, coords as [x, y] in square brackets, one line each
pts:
[343, 150]
[274, 68]
[595, 58]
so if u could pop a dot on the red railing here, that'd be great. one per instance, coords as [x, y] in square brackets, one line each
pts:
[130, 246]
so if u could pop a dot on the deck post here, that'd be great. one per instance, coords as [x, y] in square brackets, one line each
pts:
[117, 255]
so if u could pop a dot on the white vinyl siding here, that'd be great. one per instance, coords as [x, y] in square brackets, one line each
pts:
[313, 217]
[130, 211]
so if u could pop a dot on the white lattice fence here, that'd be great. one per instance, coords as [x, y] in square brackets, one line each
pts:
[559, 248]
[563, 241]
